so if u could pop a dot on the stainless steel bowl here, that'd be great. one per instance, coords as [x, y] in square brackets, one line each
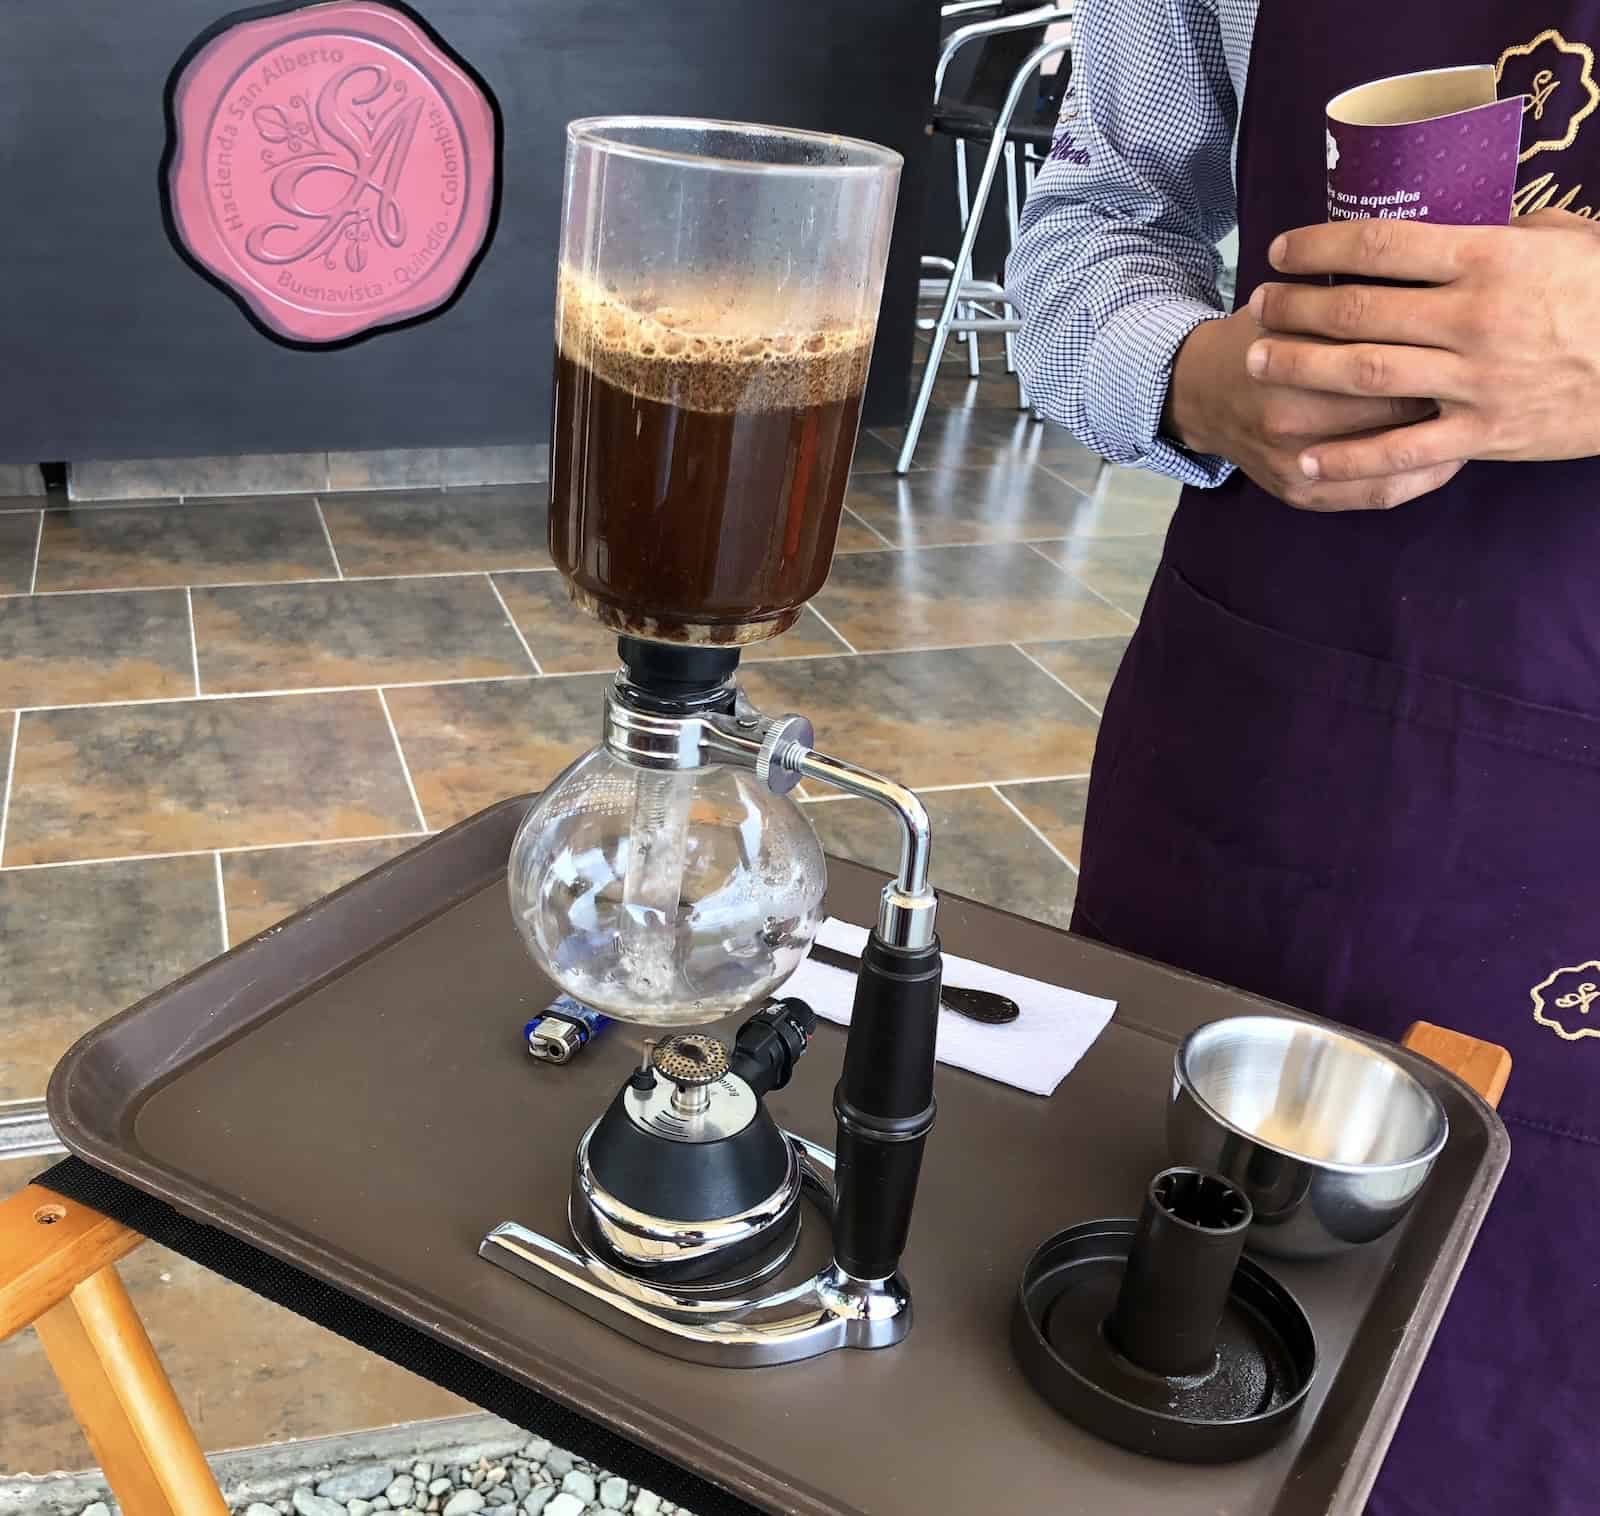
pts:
[1330, 1136]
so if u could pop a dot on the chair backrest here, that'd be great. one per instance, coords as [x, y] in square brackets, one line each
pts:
[999, 57]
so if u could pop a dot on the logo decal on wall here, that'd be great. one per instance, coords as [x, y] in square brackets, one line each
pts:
[332, 166]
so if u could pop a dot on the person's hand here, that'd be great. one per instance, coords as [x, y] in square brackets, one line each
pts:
[1506, 338]
[1265, 428]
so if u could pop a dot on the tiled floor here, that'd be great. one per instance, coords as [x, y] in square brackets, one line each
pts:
[213, 712]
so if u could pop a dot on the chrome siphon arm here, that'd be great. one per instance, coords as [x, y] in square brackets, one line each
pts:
[906, 913]
[779, 750]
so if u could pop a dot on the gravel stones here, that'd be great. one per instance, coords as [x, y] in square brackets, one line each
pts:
[308, 1503]
[580, 1484]
[362, 1482]
[499, 1478]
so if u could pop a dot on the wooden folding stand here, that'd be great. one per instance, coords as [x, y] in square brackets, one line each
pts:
[58, 1274]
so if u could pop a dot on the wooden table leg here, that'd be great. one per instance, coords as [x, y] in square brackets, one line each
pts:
[57, 1273]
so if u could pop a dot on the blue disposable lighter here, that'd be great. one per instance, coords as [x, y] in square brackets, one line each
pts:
[563, 1029]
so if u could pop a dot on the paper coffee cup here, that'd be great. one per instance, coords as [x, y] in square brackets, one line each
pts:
[1435, 146]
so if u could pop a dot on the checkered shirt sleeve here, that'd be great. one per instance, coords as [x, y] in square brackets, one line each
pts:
[1117, 260]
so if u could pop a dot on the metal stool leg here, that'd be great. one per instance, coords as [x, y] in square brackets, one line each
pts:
[963, 260]
[1014, 222]
[952, 298]
[963, 310]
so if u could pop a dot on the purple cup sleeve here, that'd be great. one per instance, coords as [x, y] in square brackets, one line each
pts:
[1458, 169]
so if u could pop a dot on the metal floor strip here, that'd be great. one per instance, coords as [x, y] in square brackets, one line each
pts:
[25, 1130]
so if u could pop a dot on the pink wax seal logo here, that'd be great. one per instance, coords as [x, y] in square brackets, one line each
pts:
[333, 167]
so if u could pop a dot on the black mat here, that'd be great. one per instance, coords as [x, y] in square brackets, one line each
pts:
[276, 1281]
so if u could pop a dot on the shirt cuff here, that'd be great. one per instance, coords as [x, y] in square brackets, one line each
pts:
[1130, 370]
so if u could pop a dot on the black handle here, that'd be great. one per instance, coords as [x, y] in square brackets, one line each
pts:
[884, 1105]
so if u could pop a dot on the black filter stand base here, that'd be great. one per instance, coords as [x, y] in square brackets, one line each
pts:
[1246, 1400]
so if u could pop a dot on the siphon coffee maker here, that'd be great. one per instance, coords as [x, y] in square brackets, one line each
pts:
[717, 299]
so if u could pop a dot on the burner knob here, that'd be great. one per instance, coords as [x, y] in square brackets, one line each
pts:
[691, 1061]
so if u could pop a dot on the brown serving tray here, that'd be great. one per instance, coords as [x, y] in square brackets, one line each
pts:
[348, 1091]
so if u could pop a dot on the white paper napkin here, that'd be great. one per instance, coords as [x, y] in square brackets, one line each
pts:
[1034, 1053]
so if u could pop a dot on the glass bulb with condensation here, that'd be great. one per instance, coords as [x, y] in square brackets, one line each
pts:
[666, 898]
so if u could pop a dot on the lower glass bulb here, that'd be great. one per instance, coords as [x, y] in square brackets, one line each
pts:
[665, 898]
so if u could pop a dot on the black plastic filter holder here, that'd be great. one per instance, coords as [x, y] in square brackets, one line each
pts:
[1158, 1336]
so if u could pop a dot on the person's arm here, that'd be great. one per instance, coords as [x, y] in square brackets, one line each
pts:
[1124, 341]
[1116, 263]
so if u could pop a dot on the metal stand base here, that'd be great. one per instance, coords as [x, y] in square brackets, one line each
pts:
[830, 1310]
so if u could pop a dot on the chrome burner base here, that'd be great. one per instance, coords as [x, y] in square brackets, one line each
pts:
[724, 1326]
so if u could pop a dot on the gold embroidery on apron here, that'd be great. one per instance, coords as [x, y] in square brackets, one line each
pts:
[1543, 84]
[1562, 1001]
[1540, 195]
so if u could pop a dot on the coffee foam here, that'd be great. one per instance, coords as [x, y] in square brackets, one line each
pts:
[709, 354]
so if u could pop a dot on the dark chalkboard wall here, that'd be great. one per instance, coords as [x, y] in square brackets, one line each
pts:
[111, 346]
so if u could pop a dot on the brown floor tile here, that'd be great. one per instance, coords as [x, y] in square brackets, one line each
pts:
[19, 533]
[991, 351]
[1056, 808]
[106, 781]
[375, 631]
[872, 456]
[263, 887]
[566, 640]
[854, 535]
[980, 849]
[469, 745]
[74, 649]
[1086, 666]
[440, 531]
[949, 596]
[969, 438]
[956, 716]
[79, 944]
[1120, 568]
[1125, 503]
[1067, 458]
[245, 1371]
[993, 390]
[1140, 486]
[1006, 503]
[1117, 514]
[150, 546]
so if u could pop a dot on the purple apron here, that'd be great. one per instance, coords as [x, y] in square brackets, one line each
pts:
[1353, 762]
